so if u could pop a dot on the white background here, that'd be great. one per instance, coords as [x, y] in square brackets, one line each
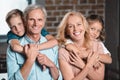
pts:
[5, 7]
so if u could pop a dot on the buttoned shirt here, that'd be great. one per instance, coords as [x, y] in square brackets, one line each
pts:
[16, 60]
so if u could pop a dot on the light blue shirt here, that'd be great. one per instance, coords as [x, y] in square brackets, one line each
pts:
[16, 60]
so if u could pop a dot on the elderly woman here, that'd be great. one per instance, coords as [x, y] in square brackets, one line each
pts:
[73, 27]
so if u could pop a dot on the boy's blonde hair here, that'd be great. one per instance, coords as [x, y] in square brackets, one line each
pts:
[14, 13]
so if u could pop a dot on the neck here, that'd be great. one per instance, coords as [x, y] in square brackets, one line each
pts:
[79, 43]
[34, 37]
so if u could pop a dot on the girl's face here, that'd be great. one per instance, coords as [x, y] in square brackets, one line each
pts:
[94, 30]
[17, 26]
[75, 28]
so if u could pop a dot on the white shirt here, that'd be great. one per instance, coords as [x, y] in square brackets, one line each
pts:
[105, 50]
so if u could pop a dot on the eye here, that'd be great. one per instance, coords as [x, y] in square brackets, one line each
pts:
[70, 26]
[12, 27]
[92, 29]
[39, 19]
[20, 24]
[99, 31]
[79, 24]
[31, 19]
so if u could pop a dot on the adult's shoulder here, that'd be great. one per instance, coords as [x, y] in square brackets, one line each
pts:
[63, 54]
[24, 40]
[43, 39]
[61, 49]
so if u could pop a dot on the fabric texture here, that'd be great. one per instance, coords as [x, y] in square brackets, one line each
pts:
[16, 60]
[11, 35]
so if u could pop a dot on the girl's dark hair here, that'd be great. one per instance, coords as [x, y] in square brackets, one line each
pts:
[93, 18]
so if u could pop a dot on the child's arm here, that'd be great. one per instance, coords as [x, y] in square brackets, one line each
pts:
[14, 42]
[15, 45]
[50, 43]
[105, 58]
[71, 47]
[106, 51]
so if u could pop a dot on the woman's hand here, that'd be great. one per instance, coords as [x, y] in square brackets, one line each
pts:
[76, 60]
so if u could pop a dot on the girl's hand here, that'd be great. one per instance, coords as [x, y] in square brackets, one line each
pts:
[97, 65]
[92, 59]
[72, 48]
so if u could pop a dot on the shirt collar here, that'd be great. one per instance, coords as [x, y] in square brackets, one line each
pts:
[31, 41]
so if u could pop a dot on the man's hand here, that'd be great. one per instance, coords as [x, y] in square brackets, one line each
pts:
[44, 60]
[31, 51]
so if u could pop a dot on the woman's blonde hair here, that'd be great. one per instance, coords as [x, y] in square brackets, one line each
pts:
[62, 33]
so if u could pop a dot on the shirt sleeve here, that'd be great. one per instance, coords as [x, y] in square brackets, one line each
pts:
[11, 35]
[13, 69]
[105, 49]
[68, 41]
[44, 32]
[56, 61]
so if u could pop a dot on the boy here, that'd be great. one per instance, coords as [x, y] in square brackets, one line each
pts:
[15, 20]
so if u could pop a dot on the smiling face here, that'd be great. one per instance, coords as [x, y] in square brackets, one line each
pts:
[75, 28]
[17, 26]
[94, 30]
[35, 22]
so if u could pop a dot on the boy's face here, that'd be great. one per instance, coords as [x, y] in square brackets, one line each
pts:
[17, 26]
[94, 30]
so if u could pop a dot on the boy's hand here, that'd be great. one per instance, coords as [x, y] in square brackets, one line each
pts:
[44, 67]
[31, 52]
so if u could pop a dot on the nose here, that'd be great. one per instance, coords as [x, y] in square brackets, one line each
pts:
[17, 28]
[75, 28]
[95, 32]
[35, 22]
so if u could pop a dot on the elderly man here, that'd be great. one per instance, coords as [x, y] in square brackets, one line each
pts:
[29, 66]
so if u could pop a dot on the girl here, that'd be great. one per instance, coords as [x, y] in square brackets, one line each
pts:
[96, 32]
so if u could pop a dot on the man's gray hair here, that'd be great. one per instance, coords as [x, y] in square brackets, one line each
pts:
[32, 7]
